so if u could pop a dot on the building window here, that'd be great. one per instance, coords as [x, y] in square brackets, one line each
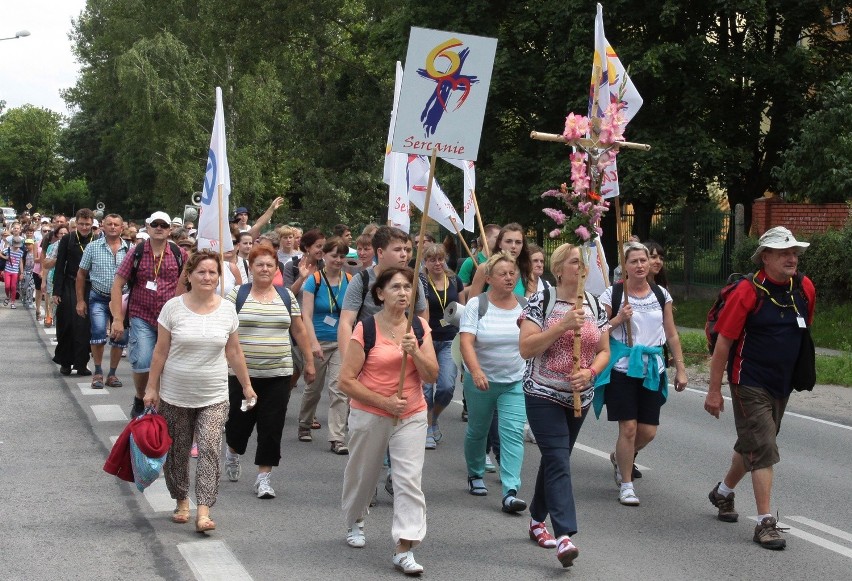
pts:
[838, 16]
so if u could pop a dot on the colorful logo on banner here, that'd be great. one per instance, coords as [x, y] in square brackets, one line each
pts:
[447, 82]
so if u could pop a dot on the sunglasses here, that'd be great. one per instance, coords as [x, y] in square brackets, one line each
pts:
[158, 225]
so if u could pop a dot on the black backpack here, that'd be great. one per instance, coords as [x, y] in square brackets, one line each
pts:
[137, 258]
[245, 289]
[370, 333]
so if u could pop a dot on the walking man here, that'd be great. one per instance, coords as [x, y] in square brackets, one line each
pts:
[98, 265]
[153, 279]
[760, 330]
[72, 330]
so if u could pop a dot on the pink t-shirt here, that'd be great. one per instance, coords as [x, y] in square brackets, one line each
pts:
[380, 373]
[37, 265]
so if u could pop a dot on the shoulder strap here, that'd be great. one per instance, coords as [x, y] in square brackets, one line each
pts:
[137, 258]
[369, 325]
[365, 283]
[617, 295]
[242, 295]
[547, 304]
[594, 305]
[661, 297]
[419, 331]
[285, 297]
[178, 256]
[483, 305]
[317, 279]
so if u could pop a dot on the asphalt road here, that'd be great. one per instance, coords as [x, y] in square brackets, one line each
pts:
[62, 517]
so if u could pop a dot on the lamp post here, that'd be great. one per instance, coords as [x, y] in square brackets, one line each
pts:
[19, 34]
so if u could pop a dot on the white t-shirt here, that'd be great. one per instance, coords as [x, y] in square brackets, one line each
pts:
[646, 323]
[497, 335]
[196, 371]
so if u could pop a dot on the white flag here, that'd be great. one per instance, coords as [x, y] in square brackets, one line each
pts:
[596, 281]
[395, 169]
[211, 223]
[440, 208]
[469, 169]
[610, 78]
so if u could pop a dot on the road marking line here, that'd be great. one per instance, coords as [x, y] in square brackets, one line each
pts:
[109, 413]
[822, 527]
[50, 331]
[113, 440]
[601, 454]
[159, 498]
[787, 413]
[825, 544]
[86, 389]
[212, 560]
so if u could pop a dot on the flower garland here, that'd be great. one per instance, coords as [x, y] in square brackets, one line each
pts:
[585, 208]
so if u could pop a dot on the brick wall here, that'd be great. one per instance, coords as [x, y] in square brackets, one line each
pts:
[799, 218]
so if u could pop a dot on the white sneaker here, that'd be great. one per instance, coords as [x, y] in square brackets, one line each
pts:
[628, 497]
[489, 465]
[528, 434]
[405, 562]
[232, 466]
[355, 536]
[262, 486]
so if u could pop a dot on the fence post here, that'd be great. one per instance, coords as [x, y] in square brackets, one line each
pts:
[739, 225]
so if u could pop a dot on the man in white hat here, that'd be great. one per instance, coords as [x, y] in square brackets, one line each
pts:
[764, 318]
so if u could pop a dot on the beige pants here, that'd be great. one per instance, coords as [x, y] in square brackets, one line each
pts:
[338, 408]
[369, 436]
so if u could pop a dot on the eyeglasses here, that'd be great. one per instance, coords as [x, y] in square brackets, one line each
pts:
[45, 231]
[161, 225]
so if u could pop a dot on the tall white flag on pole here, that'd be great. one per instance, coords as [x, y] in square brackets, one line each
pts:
[613, 85]
[469, 169]
[211, 221]
[440, 208]
[395, 169]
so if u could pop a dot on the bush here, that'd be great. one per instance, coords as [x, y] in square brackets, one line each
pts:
[741, 258]
[827, 264]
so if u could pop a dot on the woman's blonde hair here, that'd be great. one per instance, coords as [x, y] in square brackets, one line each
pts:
[560, 255]
[497, 258]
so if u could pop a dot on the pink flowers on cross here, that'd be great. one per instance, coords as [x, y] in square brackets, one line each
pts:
[557, 216]
[576, 126]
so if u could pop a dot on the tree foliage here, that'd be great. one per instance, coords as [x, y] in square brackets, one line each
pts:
[308, 88]
[29, 158]
[818, 165]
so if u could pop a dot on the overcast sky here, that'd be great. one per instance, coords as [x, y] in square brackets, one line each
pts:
[35, 68]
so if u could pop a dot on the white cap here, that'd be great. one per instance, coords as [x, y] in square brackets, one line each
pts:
[95, 223]
[777, 238]
[159, 216]
[142, 236]
[45, 220]
[177, 221]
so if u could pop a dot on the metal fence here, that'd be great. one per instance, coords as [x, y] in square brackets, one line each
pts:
[697, 244]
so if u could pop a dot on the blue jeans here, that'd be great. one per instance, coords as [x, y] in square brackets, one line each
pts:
[508, 398]
[142, 338]
[441, 392]
[555, 429]
[100, 318]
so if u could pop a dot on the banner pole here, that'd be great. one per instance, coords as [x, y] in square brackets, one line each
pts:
[417, 262]
[485, 250]
[221, 239]
[466, 247]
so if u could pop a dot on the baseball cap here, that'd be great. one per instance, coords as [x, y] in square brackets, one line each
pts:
[777, 238]
[177, 221]
[241, 210]
[95, 223]
[45, 220]
[159, 216]
[142, 236]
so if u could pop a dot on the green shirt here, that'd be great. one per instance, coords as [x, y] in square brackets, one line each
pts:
[468, 269]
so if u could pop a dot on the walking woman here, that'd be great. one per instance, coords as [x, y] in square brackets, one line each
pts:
[265, 320]
[634, 385]
[442, 287]
[657, 264]
[48, 264]
[188, 382]
[548, 323]
[492, 380]
[510, 240]
[382, 421]
[321, 303]
[537, 262]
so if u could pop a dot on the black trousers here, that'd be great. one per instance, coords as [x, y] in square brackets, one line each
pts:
[72, 331]
[273, 395]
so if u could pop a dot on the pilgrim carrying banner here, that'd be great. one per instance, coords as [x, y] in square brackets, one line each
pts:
[444, 92]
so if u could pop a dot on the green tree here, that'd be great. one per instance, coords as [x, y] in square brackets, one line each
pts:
[29, 160]
[817, 167]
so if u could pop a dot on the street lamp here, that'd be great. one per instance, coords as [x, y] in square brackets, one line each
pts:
[19, 34]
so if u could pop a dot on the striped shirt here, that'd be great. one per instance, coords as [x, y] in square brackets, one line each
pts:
[497, 334]
[196, 372]
[101, 263]
[264, 334]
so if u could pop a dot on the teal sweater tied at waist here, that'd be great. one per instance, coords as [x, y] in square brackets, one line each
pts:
[637, 356]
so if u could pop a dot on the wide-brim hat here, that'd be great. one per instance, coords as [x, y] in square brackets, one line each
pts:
[777, 238]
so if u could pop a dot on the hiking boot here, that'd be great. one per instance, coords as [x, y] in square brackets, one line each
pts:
[768, 534]
[725, 504]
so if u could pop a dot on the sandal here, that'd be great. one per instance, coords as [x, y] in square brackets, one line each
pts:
[203, 524]
[476, 486]
[315, 425]
[48, 322]
[180, 515]
[305, 435]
